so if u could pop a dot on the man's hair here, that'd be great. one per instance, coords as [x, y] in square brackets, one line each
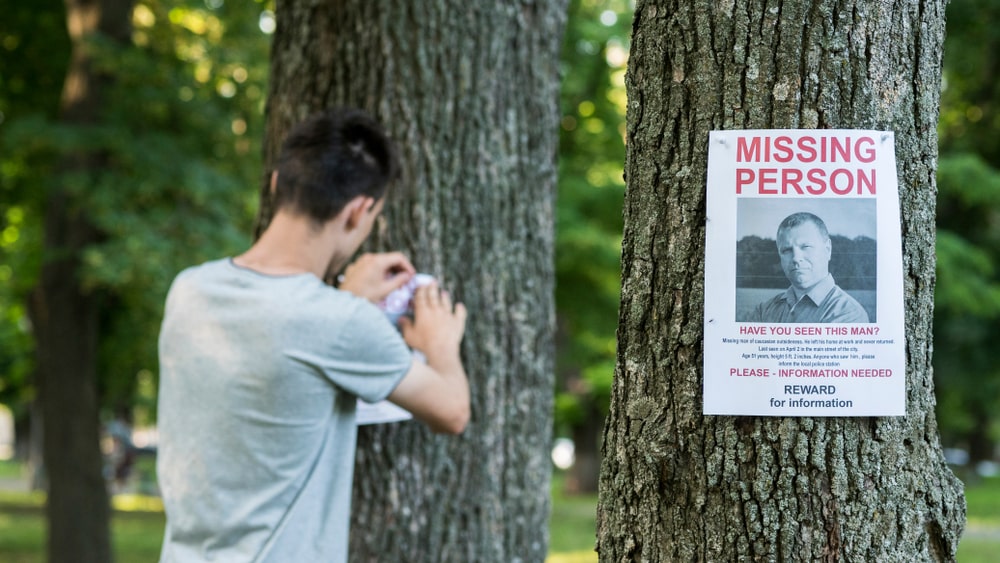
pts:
[796, 219]
[331, 158]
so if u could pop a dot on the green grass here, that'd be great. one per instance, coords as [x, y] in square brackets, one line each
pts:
[10, 469]
[21, 539]
[137, 526]
[983, 500]
[572, 526]
[981, 541]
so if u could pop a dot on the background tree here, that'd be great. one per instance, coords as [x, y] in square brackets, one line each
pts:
[677, 485]
[470, 93]
[64, 315]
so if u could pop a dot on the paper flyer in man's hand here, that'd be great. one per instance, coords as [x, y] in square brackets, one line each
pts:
[395, 305]
[803, 275]
[380, 413]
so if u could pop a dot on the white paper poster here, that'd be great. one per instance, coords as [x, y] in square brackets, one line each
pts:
[803, 275]
[380, 413]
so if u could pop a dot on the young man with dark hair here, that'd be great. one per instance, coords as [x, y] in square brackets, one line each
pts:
[261, 363]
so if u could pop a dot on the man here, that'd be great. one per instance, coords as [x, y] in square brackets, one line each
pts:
[261, 363]
[814, 297]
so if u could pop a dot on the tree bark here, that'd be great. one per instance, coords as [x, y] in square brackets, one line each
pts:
[680, 486]
[469, 91]
[65, 316]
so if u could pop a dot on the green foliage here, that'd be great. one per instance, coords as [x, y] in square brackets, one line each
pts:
[32, 36]
[969, 109]
[179, 146]
[967, 299]
[589, 210]
[572, 526]
[17, 272]
[179, 139]
[966, 278]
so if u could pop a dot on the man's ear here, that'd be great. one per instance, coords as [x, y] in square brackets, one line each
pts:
[274, 182]
[356, 209]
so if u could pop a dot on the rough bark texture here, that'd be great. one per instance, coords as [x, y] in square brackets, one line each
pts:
[470, 93]
[680, 486]
[65, 317]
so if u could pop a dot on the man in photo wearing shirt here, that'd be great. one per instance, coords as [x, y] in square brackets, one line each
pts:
[805, 249]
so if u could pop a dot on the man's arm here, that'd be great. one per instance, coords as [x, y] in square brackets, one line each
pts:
[437, 393]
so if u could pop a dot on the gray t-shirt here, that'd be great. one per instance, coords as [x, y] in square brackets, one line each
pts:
[258, 383]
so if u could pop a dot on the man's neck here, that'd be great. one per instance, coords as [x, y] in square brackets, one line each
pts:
[292, 244]
[800, 293]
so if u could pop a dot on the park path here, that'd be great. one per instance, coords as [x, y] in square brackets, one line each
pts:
[13, 484]
[982, 532]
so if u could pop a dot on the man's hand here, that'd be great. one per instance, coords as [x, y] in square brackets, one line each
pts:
[437, 392]
[374, 276]
[437, 326]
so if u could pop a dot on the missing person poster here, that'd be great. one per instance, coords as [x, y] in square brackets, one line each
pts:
[803, 275]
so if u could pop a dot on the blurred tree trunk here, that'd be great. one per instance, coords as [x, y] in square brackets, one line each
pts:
[680, 486]
[469, 90]
[981, 446]
[582, 477]
[65, 317]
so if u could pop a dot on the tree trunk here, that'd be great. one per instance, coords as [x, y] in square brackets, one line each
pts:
[470, 93]
[65, 317]
[680, 486]
[981, 446]
[583, 476]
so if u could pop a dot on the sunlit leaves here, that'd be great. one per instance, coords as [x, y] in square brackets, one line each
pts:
[198, 22]
[30, 79]
[179, 166]
[589, 210]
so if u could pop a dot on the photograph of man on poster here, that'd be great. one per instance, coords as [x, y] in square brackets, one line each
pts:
[801, 261]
